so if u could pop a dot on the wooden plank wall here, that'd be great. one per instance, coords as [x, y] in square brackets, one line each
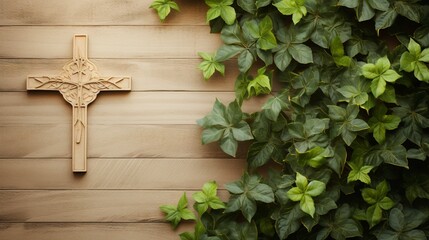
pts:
[144, 146]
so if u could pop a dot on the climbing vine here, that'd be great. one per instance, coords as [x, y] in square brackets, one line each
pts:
[346, 134]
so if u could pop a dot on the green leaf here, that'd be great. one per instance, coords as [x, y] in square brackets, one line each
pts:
[209, 65]
[380, 73]
[282, 59]
[345, 122]
[381, 5]
[245, 193]
[301, 181]
[187, 236]
[288, 221]
[353, 95]
[242, 132]
[211, 135]
[295, 8]
[314, 157]
[414, 59]
[247, 5]
[374, 215]
[378, 201]
[261, 84]
[163, 7]
[315, 188]
[175, 214]
[266, 39]
[226, 125]
[385, 19]
[307, 205]
[301, 53]
[349, 3]
[228, 144]
[226, 52]
[295, 194]
[359, 173]
[207, 198]
[380, 122]
[337, 51]
[408, 10]
[259, 154]
[396, 219]
[221, 8]
[364, 11]
[275, 105]
[341, 225]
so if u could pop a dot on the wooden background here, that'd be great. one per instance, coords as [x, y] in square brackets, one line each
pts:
[144, 146]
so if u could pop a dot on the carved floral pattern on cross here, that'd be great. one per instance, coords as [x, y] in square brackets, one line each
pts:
[79, 83]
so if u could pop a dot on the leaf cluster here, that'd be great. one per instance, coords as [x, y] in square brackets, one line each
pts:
[345, 129]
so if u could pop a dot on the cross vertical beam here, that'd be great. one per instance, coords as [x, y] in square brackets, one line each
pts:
[79, 83]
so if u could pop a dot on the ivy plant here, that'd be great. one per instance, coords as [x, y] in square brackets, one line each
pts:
[340, 148]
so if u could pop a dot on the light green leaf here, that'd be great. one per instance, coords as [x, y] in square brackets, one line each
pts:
[228, 14]
[209, 65]
[295, 194]
[374, 215]
[378, 86]
[175, 214]
[421, 72]
[301, 181]
[163, 7]
[390, 76]
[221, 8]
[359, 173]
[261, 84]
[315, 188]
[187, 236]
[307, 205]
[295, 8]
[207, 198]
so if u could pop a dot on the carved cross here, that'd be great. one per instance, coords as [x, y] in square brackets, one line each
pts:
[79, 83]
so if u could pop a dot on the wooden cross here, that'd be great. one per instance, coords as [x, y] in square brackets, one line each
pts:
[79, 83]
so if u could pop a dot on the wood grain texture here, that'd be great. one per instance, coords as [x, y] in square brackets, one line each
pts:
[108, 41]
[90, 231]
[147, 74]
[110, 141]
[135, 173]
[87, 206]
[24, 108]
[96, 12]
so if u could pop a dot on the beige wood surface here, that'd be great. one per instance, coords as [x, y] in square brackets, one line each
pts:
[88, 206]
[148, 74]
[108, 41]
[133, 173]
[90, 231]
[119, 108]
[96, 12]
[139, 141]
